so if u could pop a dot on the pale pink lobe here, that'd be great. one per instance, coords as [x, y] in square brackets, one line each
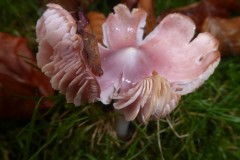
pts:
[60, 56]
[124, 28]
[177, 56]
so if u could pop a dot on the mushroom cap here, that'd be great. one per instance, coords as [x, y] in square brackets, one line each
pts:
[60, 56]
[180, 62]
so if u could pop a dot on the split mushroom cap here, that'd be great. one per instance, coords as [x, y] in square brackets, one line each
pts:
[146, 77]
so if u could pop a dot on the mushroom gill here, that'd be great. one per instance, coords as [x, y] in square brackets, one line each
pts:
[61, 57]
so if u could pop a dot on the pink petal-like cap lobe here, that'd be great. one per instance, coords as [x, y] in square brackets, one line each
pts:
[124, 28]
[179, 57]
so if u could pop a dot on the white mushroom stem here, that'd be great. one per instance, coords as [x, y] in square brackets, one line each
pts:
[122, 126]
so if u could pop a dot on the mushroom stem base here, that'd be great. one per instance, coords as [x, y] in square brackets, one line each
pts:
[122, 127]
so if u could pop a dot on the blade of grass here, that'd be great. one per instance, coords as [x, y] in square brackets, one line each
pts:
[31, 130]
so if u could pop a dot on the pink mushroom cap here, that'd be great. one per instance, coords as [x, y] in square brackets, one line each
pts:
[146, 77]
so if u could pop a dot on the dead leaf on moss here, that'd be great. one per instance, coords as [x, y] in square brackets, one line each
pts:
[227, 31]
[71, 5]
[96, 20]
[130, 3]
[146, 6]
[200, 10]
[20, 80]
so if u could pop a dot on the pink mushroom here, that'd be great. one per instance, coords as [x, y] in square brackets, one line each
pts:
[60, 56]
[145, 77]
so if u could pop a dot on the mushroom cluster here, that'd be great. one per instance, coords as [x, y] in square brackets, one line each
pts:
[145, 77]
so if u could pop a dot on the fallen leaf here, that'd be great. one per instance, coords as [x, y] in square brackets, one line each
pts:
[227, 31]
[96, 20]
[200, 10]
[146, 6]
[130, 3]
[20, 80]
[151, 19]
[71, 5]
[91, 52]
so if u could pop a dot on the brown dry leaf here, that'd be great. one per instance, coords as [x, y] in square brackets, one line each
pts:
[90, 42]
[227, 31]
[148, 7]
[151, 19]
[71, 5]
[96, 20]
[200, 10]
[20, 80]
[130, 3]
